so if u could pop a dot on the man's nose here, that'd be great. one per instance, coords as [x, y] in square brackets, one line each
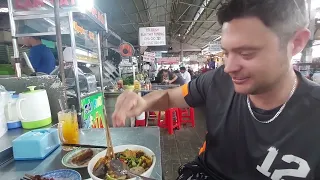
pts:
[232, 64]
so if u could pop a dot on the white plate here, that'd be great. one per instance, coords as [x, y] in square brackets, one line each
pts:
[66, 160]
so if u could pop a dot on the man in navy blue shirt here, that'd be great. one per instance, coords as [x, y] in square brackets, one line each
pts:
[41, 57]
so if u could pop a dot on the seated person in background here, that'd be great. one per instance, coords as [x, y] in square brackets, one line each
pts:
[166, 77]
[185, 75]
[180, 80]
[191, 72]
[41, 57]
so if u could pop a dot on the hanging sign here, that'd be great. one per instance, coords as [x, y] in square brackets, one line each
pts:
[215, 47]
[81, 31]
[99, 16]
[149, 56]
[152, 36]
[168, 60]
[126, 50]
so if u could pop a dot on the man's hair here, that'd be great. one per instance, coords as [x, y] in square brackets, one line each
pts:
[182, 68]
[283, 17]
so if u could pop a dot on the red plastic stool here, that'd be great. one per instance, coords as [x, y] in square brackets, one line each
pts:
[151, 116]
[141, 121]
[171, 120]
[187, 116]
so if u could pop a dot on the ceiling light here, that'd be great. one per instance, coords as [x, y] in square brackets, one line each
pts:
[85, 5]
[179, 35]
[315, 4]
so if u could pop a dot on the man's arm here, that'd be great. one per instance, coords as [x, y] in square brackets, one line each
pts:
[192, 94]
[165, 99]
[130, 104]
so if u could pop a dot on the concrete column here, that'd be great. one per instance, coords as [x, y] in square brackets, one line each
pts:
[181, 51]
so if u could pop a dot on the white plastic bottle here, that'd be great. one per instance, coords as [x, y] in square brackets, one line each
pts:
[13, 121]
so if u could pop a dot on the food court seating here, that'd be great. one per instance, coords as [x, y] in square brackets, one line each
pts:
[171, 119]
[187, 116]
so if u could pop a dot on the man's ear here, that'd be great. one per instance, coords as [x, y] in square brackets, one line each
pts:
[300, 40]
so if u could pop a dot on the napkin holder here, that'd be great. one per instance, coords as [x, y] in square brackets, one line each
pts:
[35, 144]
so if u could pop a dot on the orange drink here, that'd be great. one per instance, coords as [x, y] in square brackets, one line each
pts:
[68, 127]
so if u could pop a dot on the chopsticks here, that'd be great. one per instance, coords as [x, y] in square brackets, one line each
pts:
[110, 153]
[85, 146]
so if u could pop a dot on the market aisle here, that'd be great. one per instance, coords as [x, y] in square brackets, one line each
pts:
[181, 147]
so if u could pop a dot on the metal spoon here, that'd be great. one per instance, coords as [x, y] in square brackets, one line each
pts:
[122, 168]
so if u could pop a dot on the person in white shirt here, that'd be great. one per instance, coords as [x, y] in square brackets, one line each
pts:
[185, 75]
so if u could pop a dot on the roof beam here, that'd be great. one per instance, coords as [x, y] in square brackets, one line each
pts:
[145, 3]
[127, 15]
[195, 5]
[206, 16]
[180, 22]
[140, 17]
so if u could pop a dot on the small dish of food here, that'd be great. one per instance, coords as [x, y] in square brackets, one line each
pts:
[62, 174]
[80, 157]
[139, 159]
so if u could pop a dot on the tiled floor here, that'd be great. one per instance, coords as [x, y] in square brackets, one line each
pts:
[182, 147]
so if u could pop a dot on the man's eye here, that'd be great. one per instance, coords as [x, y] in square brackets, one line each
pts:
[247, 55]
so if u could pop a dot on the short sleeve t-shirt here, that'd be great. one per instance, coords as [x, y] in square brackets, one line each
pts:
[42, 59]
[241, 148]
[180, 80]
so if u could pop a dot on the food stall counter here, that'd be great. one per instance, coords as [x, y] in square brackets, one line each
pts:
[148, 137]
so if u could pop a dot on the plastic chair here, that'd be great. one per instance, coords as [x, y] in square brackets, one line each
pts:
[171, 120]
[187, 116]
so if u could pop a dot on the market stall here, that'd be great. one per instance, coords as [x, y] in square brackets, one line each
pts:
[81, 27]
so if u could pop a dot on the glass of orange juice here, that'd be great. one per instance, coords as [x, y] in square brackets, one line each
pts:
[68, 128]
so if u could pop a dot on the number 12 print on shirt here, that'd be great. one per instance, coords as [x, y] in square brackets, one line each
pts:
[301, 172]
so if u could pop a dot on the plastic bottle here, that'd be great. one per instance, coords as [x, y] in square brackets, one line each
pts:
[137, 85]
[13, 121]
[4, 97]
[148, 84]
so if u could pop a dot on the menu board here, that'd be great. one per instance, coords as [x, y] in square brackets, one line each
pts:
[152, 36]
[92, 111]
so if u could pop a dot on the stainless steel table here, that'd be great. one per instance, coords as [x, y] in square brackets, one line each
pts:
[148, 137]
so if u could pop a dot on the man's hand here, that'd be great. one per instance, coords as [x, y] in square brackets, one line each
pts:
[129, 104]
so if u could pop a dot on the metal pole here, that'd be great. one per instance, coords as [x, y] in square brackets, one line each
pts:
[99, 37]
[181, 51]
[74, 61]
[16, 57]
[59, 43]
